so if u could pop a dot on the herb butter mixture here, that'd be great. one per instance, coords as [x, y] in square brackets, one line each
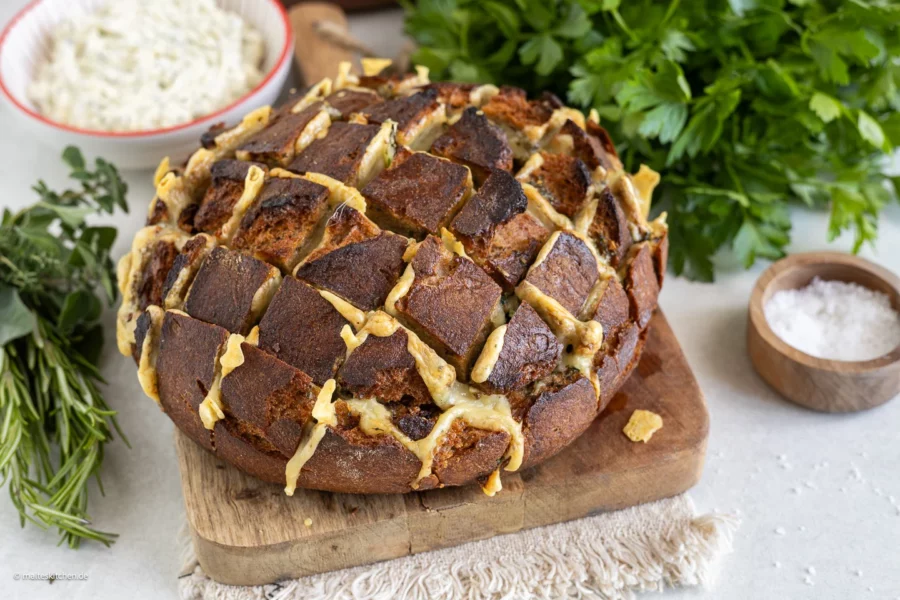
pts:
[135, 65]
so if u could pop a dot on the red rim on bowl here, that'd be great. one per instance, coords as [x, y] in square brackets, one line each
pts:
[288, 37]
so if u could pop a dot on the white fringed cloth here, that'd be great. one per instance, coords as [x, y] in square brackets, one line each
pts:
[606, 556]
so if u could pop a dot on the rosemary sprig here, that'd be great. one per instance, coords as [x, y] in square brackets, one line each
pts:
[54, 422]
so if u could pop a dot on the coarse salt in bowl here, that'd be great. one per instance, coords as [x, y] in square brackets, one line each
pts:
[835, 320]
[24, 45]
[807, 338]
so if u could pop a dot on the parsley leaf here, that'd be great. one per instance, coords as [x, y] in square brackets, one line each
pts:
[744, 106]
[825, 106]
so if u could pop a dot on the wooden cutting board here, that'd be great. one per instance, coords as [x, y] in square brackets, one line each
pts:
[248, 532]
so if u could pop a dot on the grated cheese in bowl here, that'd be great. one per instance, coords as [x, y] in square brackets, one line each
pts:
[135, 65]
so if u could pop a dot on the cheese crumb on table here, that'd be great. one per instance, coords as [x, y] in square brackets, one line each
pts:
[642, 425]
[307, 521]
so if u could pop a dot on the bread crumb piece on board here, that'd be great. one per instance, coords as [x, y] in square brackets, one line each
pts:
[307, 521]
[642, 425]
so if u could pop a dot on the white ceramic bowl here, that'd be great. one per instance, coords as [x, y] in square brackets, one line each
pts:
[23, 45]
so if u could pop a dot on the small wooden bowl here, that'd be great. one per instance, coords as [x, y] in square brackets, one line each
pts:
[816, 383]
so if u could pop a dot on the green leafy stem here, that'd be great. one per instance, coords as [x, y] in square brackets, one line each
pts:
[745, 106]
[54, 423]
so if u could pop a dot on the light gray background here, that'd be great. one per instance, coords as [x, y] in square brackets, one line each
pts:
[836, 524]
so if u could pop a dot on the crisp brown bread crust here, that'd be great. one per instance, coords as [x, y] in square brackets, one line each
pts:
[457, 259]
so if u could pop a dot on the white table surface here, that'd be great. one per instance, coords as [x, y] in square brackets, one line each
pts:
[836, 494]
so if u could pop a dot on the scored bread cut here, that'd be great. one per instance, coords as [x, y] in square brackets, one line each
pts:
[388, 285]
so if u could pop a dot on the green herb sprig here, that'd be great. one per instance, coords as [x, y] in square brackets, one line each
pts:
[744, 105]
[55, 273]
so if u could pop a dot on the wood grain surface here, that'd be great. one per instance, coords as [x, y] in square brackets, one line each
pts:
[316, 56]
[248, 532]
[816, 383]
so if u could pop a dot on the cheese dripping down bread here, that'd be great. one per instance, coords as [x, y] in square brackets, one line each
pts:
[388, 285]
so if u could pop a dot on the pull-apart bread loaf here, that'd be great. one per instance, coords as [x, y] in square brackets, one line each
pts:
[389, 285]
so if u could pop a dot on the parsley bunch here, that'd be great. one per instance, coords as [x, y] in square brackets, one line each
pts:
[55, 273]
[744, 105]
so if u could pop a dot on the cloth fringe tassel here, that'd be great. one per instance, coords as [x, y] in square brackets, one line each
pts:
[609, 556]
